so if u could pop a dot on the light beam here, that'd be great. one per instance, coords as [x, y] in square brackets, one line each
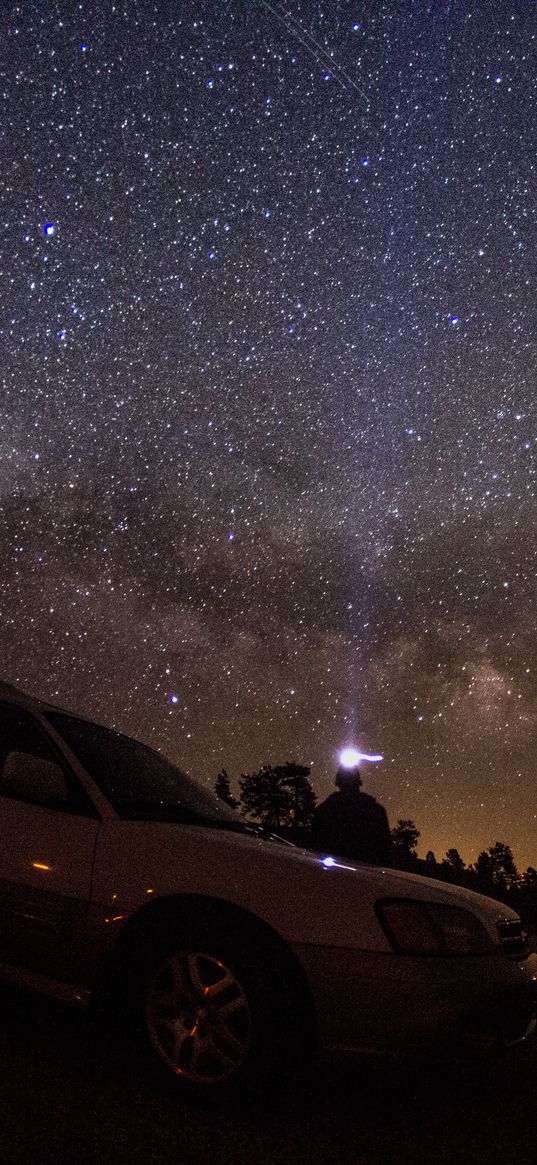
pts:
[350, 757]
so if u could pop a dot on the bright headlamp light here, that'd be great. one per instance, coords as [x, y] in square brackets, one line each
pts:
[432, 928]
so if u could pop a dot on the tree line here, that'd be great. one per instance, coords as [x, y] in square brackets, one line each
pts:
[281, 798]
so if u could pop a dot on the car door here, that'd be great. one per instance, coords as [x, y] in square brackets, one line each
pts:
[48, 834]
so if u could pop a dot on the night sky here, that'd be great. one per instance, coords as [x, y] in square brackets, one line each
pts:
[268, 430]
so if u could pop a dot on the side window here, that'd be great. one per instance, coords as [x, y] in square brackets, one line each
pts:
[30, 769]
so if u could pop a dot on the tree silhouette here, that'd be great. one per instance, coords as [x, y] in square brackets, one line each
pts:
[405, 837]
[497, 865]
[483, 866]
[430, 858]
[279, 796]
[529, 878]
[453, 859]
[222, 789]
[296, 777]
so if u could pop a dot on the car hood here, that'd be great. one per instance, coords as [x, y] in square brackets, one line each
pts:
[297, 892]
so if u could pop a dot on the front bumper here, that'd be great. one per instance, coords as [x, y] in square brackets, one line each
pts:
[389, 1004]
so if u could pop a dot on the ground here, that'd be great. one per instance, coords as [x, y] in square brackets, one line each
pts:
[59, 1105]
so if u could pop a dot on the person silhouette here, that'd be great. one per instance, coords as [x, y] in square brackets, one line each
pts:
[352, 824]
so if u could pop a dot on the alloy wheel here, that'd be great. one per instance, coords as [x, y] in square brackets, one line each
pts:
[198, 1017]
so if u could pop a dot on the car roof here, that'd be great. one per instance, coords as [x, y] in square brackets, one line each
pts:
[11, 693]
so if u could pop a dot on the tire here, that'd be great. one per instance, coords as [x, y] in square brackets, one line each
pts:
[213, 1009]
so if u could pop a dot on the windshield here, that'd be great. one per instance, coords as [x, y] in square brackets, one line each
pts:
[137, 781]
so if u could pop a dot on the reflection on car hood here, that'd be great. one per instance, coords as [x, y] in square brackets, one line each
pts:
[292, 889]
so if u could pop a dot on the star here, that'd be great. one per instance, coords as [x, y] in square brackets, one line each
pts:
[268, 429]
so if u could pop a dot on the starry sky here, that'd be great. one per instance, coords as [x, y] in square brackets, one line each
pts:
[268, 430]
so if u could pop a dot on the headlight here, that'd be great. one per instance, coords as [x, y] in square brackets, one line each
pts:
[431, 928]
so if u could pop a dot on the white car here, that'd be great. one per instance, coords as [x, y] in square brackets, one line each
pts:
[126, 885]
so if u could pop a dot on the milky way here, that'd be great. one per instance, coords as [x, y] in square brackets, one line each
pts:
[268, 430]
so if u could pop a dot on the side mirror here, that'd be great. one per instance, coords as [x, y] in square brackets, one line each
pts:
[33, 779]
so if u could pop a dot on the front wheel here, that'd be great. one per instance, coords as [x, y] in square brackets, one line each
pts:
[198, 1017]
[217, 1010]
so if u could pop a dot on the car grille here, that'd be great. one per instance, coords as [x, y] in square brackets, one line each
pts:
[514, 939]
